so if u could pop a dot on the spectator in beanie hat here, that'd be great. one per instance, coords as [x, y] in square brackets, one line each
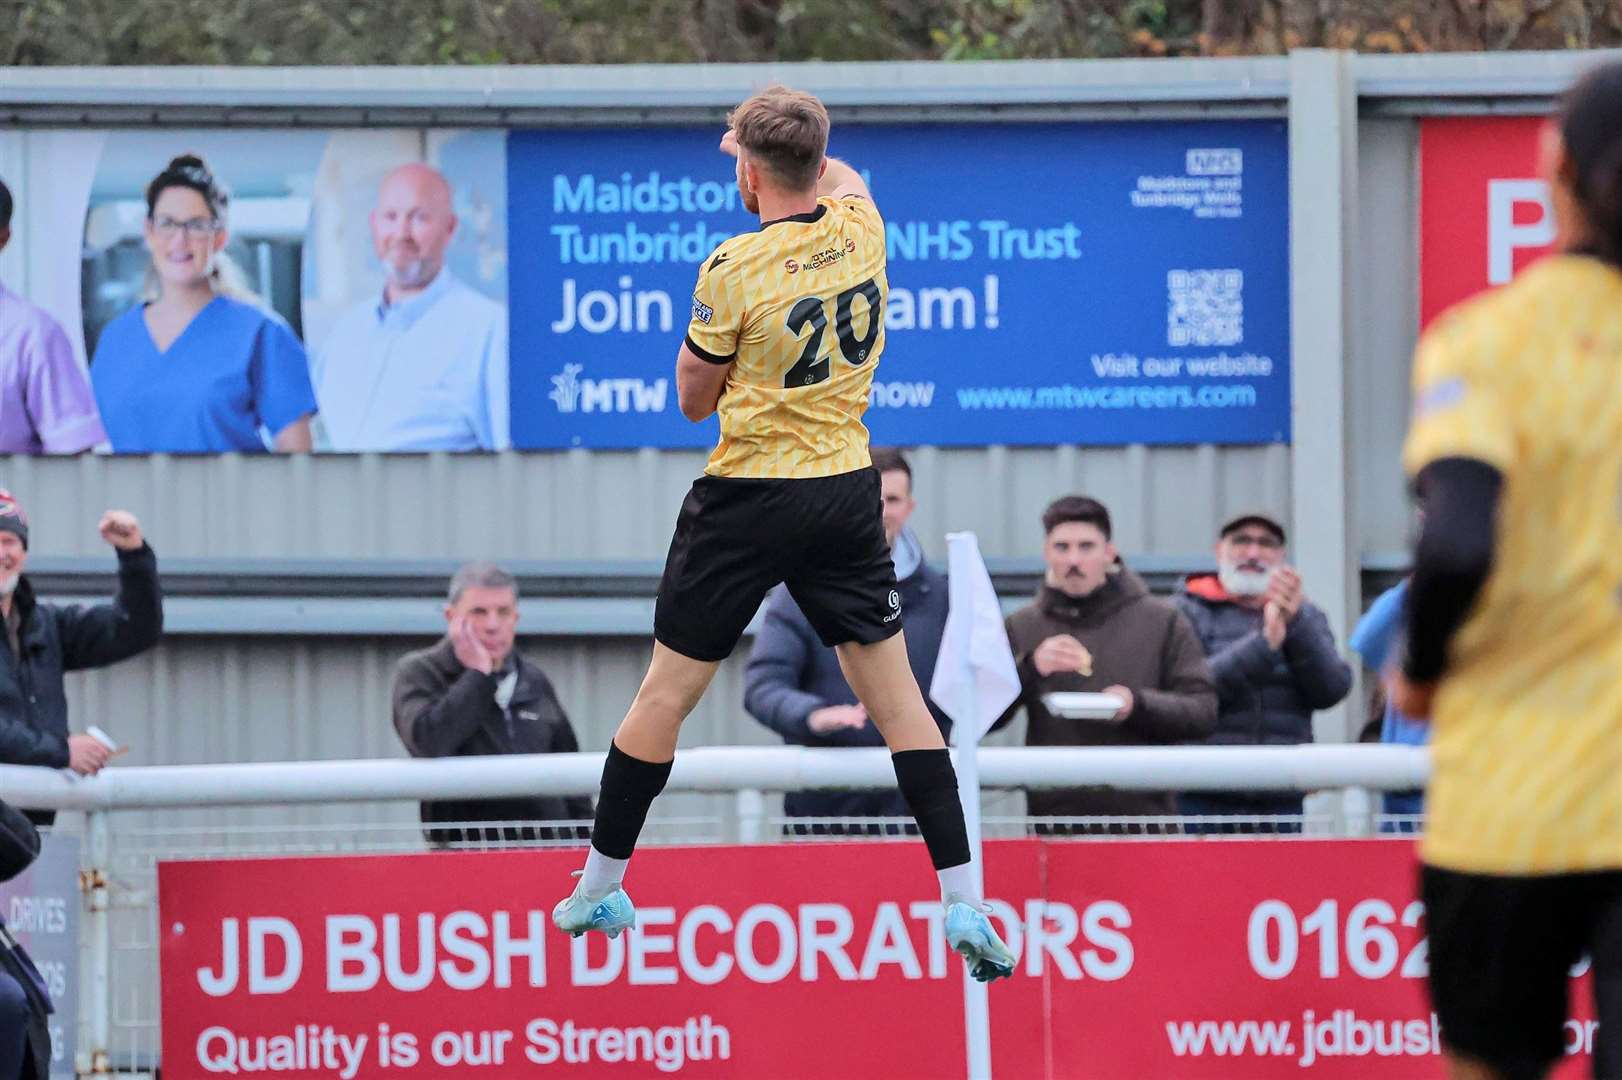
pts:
[42, 641]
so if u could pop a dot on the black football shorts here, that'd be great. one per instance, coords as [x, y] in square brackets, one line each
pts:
[737, 538]
[1501, 952]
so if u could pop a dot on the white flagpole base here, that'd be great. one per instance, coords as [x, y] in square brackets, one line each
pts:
[976, 1008]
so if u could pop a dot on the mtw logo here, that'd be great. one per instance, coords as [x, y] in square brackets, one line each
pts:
[570, 393]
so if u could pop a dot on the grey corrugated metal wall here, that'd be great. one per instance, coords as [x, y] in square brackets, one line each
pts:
[1386, 302]
[608, 505]
[200, 699]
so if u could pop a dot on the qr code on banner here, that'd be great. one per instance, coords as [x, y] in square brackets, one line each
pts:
[1205, 307]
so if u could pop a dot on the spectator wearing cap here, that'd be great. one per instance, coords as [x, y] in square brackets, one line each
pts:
[475, 694]
[46, 406]
[42, 641]
[1271, 650]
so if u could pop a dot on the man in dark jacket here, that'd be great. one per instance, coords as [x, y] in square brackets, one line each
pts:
[793, 683]
[474, 694]
[25, 1039]
[42, 641]
[1094, 627]
[1272, 652]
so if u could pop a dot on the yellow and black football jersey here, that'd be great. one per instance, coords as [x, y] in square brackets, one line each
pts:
[1527, 737]
[797, 309]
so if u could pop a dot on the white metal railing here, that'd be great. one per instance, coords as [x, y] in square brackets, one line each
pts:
[714, 769]
[748, 772]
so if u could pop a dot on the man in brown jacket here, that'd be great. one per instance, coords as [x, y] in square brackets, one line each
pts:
[1094, 627]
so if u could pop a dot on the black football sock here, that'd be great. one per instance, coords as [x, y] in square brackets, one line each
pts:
[929, 784]
[629, 787]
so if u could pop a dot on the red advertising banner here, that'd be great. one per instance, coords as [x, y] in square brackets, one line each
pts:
[1213, 958]
[1483, 213]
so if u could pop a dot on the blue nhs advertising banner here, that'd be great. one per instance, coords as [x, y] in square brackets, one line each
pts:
[1090, 283]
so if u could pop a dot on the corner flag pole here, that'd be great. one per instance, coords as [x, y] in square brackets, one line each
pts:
[975, 681]
[976, 1007]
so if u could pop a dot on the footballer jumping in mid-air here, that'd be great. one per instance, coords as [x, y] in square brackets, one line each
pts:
[787, 327]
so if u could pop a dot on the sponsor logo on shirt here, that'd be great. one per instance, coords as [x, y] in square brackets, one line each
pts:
[823, 258]
[702, 311]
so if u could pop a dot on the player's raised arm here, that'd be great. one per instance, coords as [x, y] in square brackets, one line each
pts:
[839, 180]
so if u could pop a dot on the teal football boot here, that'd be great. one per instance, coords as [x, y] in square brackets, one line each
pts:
[612, 912]
[970, 934]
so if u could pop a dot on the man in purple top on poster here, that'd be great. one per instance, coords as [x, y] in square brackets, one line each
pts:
[46, 406]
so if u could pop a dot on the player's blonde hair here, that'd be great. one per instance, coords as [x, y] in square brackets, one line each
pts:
[786, 131]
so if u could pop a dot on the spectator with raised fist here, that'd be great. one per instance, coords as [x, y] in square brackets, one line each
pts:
[43, 641]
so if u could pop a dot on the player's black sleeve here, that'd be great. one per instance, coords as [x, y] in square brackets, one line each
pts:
[1454, 555]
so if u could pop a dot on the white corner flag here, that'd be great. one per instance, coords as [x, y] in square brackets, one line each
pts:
[975, 680]
[975, 677]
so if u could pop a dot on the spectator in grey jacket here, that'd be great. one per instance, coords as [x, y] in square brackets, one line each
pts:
[793, 683]
[42, 641]
[474, 693]
[1272, 652]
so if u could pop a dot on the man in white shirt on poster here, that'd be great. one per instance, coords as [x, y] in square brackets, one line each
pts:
[423, 367]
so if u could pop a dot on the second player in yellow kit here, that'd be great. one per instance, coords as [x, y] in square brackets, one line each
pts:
[797, 309]
[1528, 721]
[1514, 618]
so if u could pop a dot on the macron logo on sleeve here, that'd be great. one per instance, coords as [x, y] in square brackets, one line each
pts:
[1438, 397]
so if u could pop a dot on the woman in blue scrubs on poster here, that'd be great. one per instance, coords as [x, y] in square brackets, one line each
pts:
[198, 367]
